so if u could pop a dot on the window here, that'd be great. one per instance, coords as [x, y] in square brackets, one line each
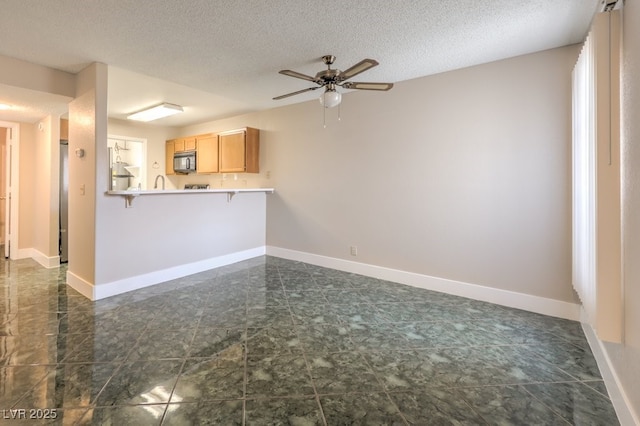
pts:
[596, 177]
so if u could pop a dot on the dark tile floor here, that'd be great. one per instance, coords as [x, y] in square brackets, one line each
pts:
[273, 342]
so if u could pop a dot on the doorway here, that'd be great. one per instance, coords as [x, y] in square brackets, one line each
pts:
[63, 240]
[127, 162]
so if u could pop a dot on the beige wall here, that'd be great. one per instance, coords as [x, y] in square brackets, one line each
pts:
[18, 73]
[86, 131]
[26, 203]
[463, 175]
[626, 356]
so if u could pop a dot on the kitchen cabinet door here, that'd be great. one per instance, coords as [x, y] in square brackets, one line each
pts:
[252, 150]
[190, 143]
[232, 152]
[207, 154]
[239, 151]
[178, 145]
[169, 151]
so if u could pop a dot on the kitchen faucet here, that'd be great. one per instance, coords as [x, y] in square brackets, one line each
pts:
[155, 185]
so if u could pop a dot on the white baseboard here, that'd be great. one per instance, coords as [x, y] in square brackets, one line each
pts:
[541, 305]
[113, 288]
[44, 260]
[619, 398]
[20, 254]
[81, 285]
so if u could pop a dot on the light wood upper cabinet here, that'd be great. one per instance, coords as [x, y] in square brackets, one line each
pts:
[169, 151]
[190, 143]
[240, 151]
[207, 154]
[185, 144]
[232, 151]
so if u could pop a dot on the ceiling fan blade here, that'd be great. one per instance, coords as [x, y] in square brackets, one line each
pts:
[297, 75]
[361, 66]
[295, 93]
[367, 86]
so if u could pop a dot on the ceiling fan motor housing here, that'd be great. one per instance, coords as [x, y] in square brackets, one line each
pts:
[328, 76]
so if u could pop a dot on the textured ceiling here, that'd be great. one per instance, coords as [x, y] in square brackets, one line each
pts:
[221, 58]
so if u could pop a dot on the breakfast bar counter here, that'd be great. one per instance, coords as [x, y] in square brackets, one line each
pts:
[130, 195]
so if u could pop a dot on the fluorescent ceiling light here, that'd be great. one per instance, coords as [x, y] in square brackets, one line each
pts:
[5, 106]
[156, 112]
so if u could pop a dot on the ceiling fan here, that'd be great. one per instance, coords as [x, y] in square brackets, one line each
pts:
[330, 79]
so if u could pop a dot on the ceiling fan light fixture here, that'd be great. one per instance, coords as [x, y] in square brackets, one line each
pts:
[330, 79]
[156, 112]
[330, 98]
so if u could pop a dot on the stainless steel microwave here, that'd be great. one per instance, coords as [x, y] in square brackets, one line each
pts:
[184, 162]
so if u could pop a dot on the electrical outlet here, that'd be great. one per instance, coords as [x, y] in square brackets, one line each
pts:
[354, 250]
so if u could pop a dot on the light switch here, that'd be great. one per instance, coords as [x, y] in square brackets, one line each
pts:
[82, 189]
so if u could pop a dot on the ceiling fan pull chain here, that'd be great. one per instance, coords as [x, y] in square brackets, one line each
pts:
[324, 118]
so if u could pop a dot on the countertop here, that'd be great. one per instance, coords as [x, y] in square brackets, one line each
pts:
[137, 192]
[130, 195]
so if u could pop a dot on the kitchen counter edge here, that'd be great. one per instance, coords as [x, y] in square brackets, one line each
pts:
[135, 193]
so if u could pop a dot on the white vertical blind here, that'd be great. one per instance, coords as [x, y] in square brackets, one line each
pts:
[596, 269]
[584, 188]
